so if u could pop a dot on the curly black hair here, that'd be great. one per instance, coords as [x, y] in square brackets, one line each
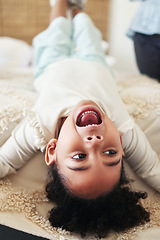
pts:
[117, 211]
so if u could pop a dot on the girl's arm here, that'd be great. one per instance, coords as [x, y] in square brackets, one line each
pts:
[18, 149]
[142, 158]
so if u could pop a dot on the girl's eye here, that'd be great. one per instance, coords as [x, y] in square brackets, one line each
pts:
[79, 156]
[110, 152]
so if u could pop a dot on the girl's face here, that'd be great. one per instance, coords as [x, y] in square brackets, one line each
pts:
[88, 151]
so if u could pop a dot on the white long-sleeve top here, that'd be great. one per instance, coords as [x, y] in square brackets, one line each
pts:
[62, 85]
[18, 149]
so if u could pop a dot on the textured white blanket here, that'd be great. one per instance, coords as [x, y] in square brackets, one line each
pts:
[23, 203]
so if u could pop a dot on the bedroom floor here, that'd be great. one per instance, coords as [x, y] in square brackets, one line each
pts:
[9, 233]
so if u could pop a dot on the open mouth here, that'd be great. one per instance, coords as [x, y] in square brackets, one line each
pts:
[88, 118]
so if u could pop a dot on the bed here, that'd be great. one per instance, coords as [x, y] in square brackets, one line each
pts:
[23, 202]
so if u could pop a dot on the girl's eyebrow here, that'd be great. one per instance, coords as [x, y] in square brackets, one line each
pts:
[84, 168]
[110, 164]
[79, 168]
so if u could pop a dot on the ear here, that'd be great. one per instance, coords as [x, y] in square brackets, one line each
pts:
[123, 154]
[50, 156]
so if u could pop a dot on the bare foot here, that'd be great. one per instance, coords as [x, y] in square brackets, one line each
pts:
[75, 11]
[59, 10]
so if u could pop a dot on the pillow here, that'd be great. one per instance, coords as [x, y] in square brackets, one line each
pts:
[14, 53]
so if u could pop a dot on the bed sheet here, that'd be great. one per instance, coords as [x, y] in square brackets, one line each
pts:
[23, 202]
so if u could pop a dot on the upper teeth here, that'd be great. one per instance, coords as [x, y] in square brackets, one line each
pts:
[88, 112]
[91, 125]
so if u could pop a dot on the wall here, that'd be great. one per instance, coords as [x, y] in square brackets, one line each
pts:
[121, 47]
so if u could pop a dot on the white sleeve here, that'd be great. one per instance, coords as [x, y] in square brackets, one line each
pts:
[142, 158]
[17, 150]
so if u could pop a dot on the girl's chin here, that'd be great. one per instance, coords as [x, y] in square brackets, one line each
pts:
[84, 103]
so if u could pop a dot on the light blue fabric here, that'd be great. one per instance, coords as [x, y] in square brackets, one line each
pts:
[147, 18]
[65, 39]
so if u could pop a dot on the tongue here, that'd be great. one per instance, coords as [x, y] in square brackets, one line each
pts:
[88, 119]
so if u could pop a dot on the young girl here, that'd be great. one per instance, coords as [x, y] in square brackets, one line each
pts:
[82, 123]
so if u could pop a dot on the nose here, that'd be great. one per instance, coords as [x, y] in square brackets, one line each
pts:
[94, 139]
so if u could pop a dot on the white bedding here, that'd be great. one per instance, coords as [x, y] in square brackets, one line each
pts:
[23, 204]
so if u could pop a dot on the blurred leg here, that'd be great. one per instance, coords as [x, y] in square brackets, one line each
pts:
[87, 39]
[147, 51]
[55, 42]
